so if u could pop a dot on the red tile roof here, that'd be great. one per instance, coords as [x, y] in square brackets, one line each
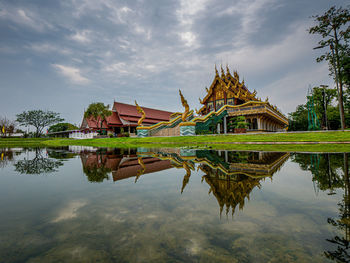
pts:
[126, 112]
[130, 110]
[111, 120]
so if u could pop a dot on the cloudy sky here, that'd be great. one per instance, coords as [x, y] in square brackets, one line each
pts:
[63, 55]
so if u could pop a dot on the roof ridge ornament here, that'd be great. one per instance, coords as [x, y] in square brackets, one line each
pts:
[216, 71]
[222, 72]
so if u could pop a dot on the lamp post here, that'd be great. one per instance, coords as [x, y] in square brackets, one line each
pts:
[339, 91]
[324, 104]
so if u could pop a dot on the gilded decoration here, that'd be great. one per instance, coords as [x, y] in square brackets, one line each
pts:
[226, 83]
[140, 110]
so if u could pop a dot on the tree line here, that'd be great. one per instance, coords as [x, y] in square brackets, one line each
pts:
[332, 105]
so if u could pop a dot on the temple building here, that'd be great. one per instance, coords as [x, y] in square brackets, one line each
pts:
[228, 93]
[124, 119]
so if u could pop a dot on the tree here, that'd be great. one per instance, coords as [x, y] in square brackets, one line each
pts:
[98, 112]
[298, 120]
[63, 126]
[323, 100]
[334, 28]
[39, 119]
[8, 125]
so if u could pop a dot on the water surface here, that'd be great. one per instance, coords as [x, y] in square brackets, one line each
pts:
[82, 204]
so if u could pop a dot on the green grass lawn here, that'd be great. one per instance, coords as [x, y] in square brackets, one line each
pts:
[208, 141]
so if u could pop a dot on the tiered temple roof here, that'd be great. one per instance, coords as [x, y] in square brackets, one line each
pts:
[126, 115]
[227, 86]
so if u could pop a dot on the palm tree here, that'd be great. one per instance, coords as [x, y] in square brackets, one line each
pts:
[98, 112]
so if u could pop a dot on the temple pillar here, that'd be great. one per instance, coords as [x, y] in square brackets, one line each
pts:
[225, 124]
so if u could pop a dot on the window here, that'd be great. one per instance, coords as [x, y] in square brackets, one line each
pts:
[231, 101]
[219, 104]
[210, 106]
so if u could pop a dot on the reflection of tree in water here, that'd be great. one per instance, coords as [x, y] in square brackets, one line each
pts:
[326, 171]
[229, 191]
[342, 253]
[6, 156]
[38, 164]
[61, 154]
[96, 170]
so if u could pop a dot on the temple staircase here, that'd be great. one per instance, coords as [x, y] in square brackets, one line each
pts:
[168, 128]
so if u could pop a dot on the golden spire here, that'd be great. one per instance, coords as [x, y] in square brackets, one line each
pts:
[185, 104]
[140, 110]
[222, 73]
[216, 71]
[236, 76]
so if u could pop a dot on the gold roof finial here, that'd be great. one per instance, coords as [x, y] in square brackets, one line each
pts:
[216, 71]
[227, 69]
[143, 114]
[222, 72]
[236, 76]
[185, 104]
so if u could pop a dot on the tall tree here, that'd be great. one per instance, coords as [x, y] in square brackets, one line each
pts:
[98, 112]
[323, 99]
[334, 28]
[39, 119]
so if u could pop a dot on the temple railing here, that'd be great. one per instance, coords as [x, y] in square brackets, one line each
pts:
[166, 124]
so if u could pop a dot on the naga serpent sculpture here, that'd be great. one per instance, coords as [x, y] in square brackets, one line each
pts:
[140, 110]
[185, 104]
[186, 177]
[142, 170]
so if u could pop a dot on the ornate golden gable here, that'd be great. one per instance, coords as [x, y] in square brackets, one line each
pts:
[229, 85]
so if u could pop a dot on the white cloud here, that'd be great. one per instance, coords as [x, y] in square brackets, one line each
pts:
[186, 15]
[48, 48]
[69, 211]
[188, 38]
[25, 18]
[249, 14]
[73, 74]
[82, 36]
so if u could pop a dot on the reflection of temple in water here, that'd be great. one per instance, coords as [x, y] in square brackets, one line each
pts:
[231, 175]
[123, 163]
[231, 183]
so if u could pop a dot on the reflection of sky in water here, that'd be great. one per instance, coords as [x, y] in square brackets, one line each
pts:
[61, 215]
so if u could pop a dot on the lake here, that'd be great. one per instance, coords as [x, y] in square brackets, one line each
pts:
[84, 204]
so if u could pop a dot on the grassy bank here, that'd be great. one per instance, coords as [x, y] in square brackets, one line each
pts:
[215, 142]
